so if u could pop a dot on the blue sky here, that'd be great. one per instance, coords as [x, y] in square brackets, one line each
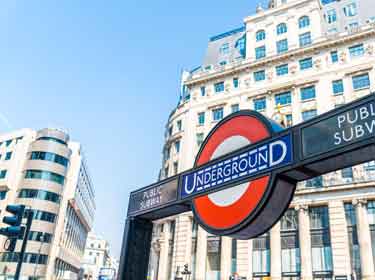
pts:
[108, 72]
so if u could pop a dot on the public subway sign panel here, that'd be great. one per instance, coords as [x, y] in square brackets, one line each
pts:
[250, 162]
[340, 130]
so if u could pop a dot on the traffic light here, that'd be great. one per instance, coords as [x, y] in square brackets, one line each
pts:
[14, 230]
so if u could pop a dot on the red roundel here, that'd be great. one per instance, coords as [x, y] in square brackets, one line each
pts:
[228, 208]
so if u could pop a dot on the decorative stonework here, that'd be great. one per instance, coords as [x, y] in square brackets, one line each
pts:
[370, 49]
[318, 63]
[301, 207]
[359, 202]
[293, 69]
[343, 56]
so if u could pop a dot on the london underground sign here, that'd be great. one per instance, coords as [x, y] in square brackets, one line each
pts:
[245, 175]
[230, 211]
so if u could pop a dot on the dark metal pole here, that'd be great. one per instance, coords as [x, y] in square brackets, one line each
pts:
[135, 249]
[24, 243]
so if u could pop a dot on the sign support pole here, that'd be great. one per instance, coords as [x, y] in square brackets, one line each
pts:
[135, 250]
[24, 243]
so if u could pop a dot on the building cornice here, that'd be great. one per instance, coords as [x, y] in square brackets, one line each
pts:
[277, 10]
[235, 68]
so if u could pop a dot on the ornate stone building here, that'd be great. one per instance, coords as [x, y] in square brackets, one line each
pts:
[285, 58]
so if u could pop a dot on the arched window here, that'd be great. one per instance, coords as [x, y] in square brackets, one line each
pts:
[304, 21]
[260, 35]
[281, 28]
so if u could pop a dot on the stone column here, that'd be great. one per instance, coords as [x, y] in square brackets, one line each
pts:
[200, 271]
[364, 239]
[225, 257]
[275, 244]
[243, 257]
[339, 239]
[188, 241]
[304, 241]
[164, 249]
[250, 262]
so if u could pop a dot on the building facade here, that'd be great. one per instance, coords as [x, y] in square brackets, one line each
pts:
[285, 59]
[98, 264]
[47, 173]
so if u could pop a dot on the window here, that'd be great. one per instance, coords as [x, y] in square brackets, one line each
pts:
[52, 139]
[203, 91]
[326, 2]
[39, 194]
[260, 75]
[45, 175]
[44, 216]
[305, 63]
[331, 16]
[281, 29]
[337, 87]
[3, 174]
[8, 155]
[235, 108]
[175, 167]
[179, 125]
[234, 256]
[222, 63]
[177, 146]
[39, 236]
[260, 104]
[213, 257]
[282, 70]
[224, 49]
[260, 52]
[261, 256]
[351, 221]
[290, 251]
[353, 25]
[334, 57]
[308, 93]
[369, 166]
[361, 81]
[28, 258]
[284, 98]
[347, 173]
[371, 219]
[260, 35]
[235, 82]
[200, 139]
[350, 10]
[219, 87]
[201, 118]
[320, 240]
[282, 46]
[356, 50]
[304, 22]
[49, 157]
[289, 120]
[241, 46]
[306, 115]
[305, 39]
[217, 114]
[8, 142]
[316, 182]
[3, 194]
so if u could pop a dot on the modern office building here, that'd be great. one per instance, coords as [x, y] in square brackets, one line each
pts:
[47, 173]
[97, 262]
[284, 61]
